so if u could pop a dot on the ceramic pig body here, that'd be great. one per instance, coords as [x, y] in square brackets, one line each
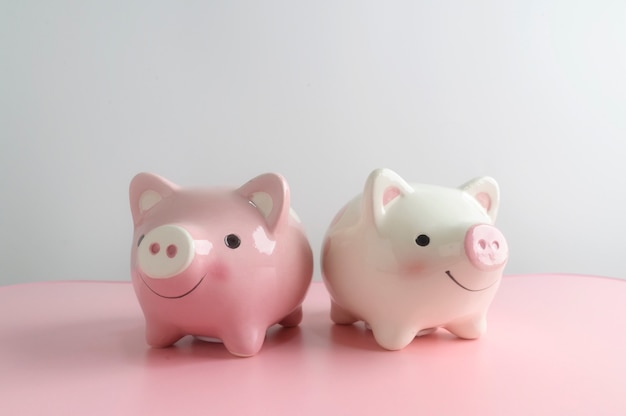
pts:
[409, 258]
[217, 263]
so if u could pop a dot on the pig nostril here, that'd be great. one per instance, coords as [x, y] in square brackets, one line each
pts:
[155, 248]
[171, 251]
[482, 244]
[495, 245]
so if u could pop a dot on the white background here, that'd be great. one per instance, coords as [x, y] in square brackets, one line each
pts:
[207, 93]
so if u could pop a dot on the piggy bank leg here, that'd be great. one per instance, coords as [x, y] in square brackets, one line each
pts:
[293, 319]
[244, 344]
[425, 332]
[392, 337]
[160, 335]
[468, 329]
[341, 316]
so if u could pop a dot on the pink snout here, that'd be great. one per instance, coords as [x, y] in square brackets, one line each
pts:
[486, 247]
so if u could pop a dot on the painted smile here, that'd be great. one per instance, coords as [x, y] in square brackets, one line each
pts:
[467, 288]
[171, 297]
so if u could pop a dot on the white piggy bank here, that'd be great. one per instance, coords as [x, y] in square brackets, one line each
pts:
[410, 258]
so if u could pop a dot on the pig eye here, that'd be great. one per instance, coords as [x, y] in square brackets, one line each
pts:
[140, 240]
[232, 241]
[422, 240]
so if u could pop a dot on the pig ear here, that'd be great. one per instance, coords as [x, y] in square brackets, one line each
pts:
[146, 191]
[269, 193]
[382, 188]
[486, 191]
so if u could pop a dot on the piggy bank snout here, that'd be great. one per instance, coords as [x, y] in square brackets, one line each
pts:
[486, 247]
[165, 251]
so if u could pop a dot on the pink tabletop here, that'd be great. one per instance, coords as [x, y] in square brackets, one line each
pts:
[556, 344]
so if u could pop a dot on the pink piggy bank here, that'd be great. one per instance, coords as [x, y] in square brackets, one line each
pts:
[217, 263]
[409, 258]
